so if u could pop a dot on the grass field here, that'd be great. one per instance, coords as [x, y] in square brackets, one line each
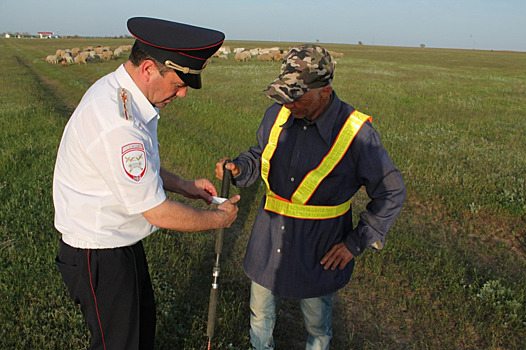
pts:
[453, 273]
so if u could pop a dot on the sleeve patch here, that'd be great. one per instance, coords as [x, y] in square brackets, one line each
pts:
[134, 161]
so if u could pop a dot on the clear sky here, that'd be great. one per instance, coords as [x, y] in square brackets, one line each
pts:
[463, 24]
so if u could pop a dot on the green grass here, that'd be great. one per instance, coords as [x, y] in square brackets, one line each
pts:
[452, 275]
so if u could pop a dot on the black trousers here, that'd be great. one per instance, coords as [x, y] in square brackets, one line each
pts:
[115, 294]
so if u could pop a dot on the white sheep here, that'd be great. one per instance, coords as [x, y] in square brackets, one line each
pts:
[52, 59]
[80, 59]
[118, 51]
[68, 58]
[243, 56]
[224, 50]
[106, 55]
[75, 51]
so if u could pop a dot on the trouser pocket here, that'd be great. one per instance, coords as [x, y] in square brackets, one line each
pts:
[66, 261]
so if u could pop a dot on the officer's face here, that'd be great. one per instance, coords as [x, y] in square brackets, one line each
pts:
[166, 88]
[310, 105]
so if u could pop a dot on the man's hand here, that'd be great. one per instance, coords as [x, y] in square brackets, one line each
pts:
[199, 189]
[339, 255]
[228, 210]
[230, 166]
[193, 189]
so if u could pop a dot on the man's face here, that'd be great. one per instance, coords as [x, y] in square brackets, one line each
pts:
[164, 89]
[309, 106]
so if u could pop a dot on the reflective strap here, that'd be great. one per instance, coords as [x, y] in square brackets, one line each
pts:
[342, 143]
[297, 208]
[268, 152]
[301, 211]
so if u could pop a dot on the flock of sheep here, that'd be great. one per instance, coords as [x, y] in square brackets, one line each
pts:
[91, 53]
[87, 54]
[262, 54]
[242, 55]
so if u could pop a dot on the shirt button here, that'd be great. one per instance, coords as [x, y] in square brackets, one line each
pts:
[279, 250]
[291, 179]
[282, 227]
[305, 127]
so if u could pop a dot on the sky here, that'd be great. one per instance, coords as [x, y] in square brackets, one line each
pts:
[458, 24]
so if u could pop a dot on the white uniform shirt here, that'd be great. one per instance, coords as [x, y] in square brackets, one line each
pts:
[108, 168]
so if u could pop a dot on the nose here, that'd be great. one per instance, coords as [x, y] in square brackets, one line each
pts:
[181, 92]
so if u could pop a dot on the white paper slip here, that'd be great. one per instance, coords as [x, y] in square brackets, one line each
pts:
[218, 200]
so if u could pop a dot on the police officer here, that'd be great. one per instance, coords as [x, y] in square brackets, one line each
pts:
[314, 153]
[109, 186]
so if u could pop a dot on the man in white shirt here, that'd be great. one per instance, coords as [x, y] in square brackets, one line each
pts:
[109, 187]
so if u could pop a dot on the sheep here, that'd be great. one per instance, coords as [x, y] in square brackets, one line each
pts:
[75, 51]
[224, 50]
[335, 54]
[52, 59]
[80, 59]
[60, 53]
[243, 56]
[68, 58]
[279, 56]
[266, 57]
[118, 52]
[239, 49]
[106, 55]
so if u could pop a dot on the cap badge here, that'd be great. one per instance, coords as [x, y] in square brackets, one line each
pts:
[185, 70]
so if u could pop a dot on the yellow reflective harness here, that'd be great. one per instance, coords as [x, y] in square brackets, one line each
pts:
[296, 207]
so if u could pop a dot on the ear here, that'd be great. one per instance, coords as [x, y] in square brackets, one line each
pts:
[147, 69]
[326, 90]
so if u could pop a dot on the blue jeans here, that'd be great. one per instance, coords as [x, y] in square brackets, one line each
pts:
[317, 315]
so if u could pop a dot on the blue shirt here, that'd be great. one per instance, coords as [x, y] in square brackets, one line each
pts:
[284, 253]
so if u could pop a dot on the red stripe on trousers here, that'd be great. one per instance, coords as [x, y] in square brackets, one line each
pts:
[95, 299]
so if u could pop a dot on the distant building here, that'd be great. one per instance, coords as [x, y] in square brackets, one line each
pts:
[45, 35]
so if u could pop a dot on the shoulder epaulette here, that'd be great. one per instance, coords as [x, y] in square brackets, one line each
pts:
[124, 98]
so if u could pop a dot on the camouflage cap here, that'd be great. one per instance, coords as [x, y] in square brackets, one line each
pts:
[305, 67]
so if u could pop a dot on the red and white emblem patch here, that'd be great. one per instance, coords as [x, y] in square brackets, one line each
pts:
[134, 161]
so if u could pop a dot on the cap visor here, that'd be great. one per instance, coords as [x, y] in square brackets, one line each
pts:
[278, 92]
[192, 80]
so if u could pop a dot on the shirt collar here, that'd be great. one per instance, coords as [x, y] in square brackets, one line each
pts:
[323, 122]
[145, 111]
